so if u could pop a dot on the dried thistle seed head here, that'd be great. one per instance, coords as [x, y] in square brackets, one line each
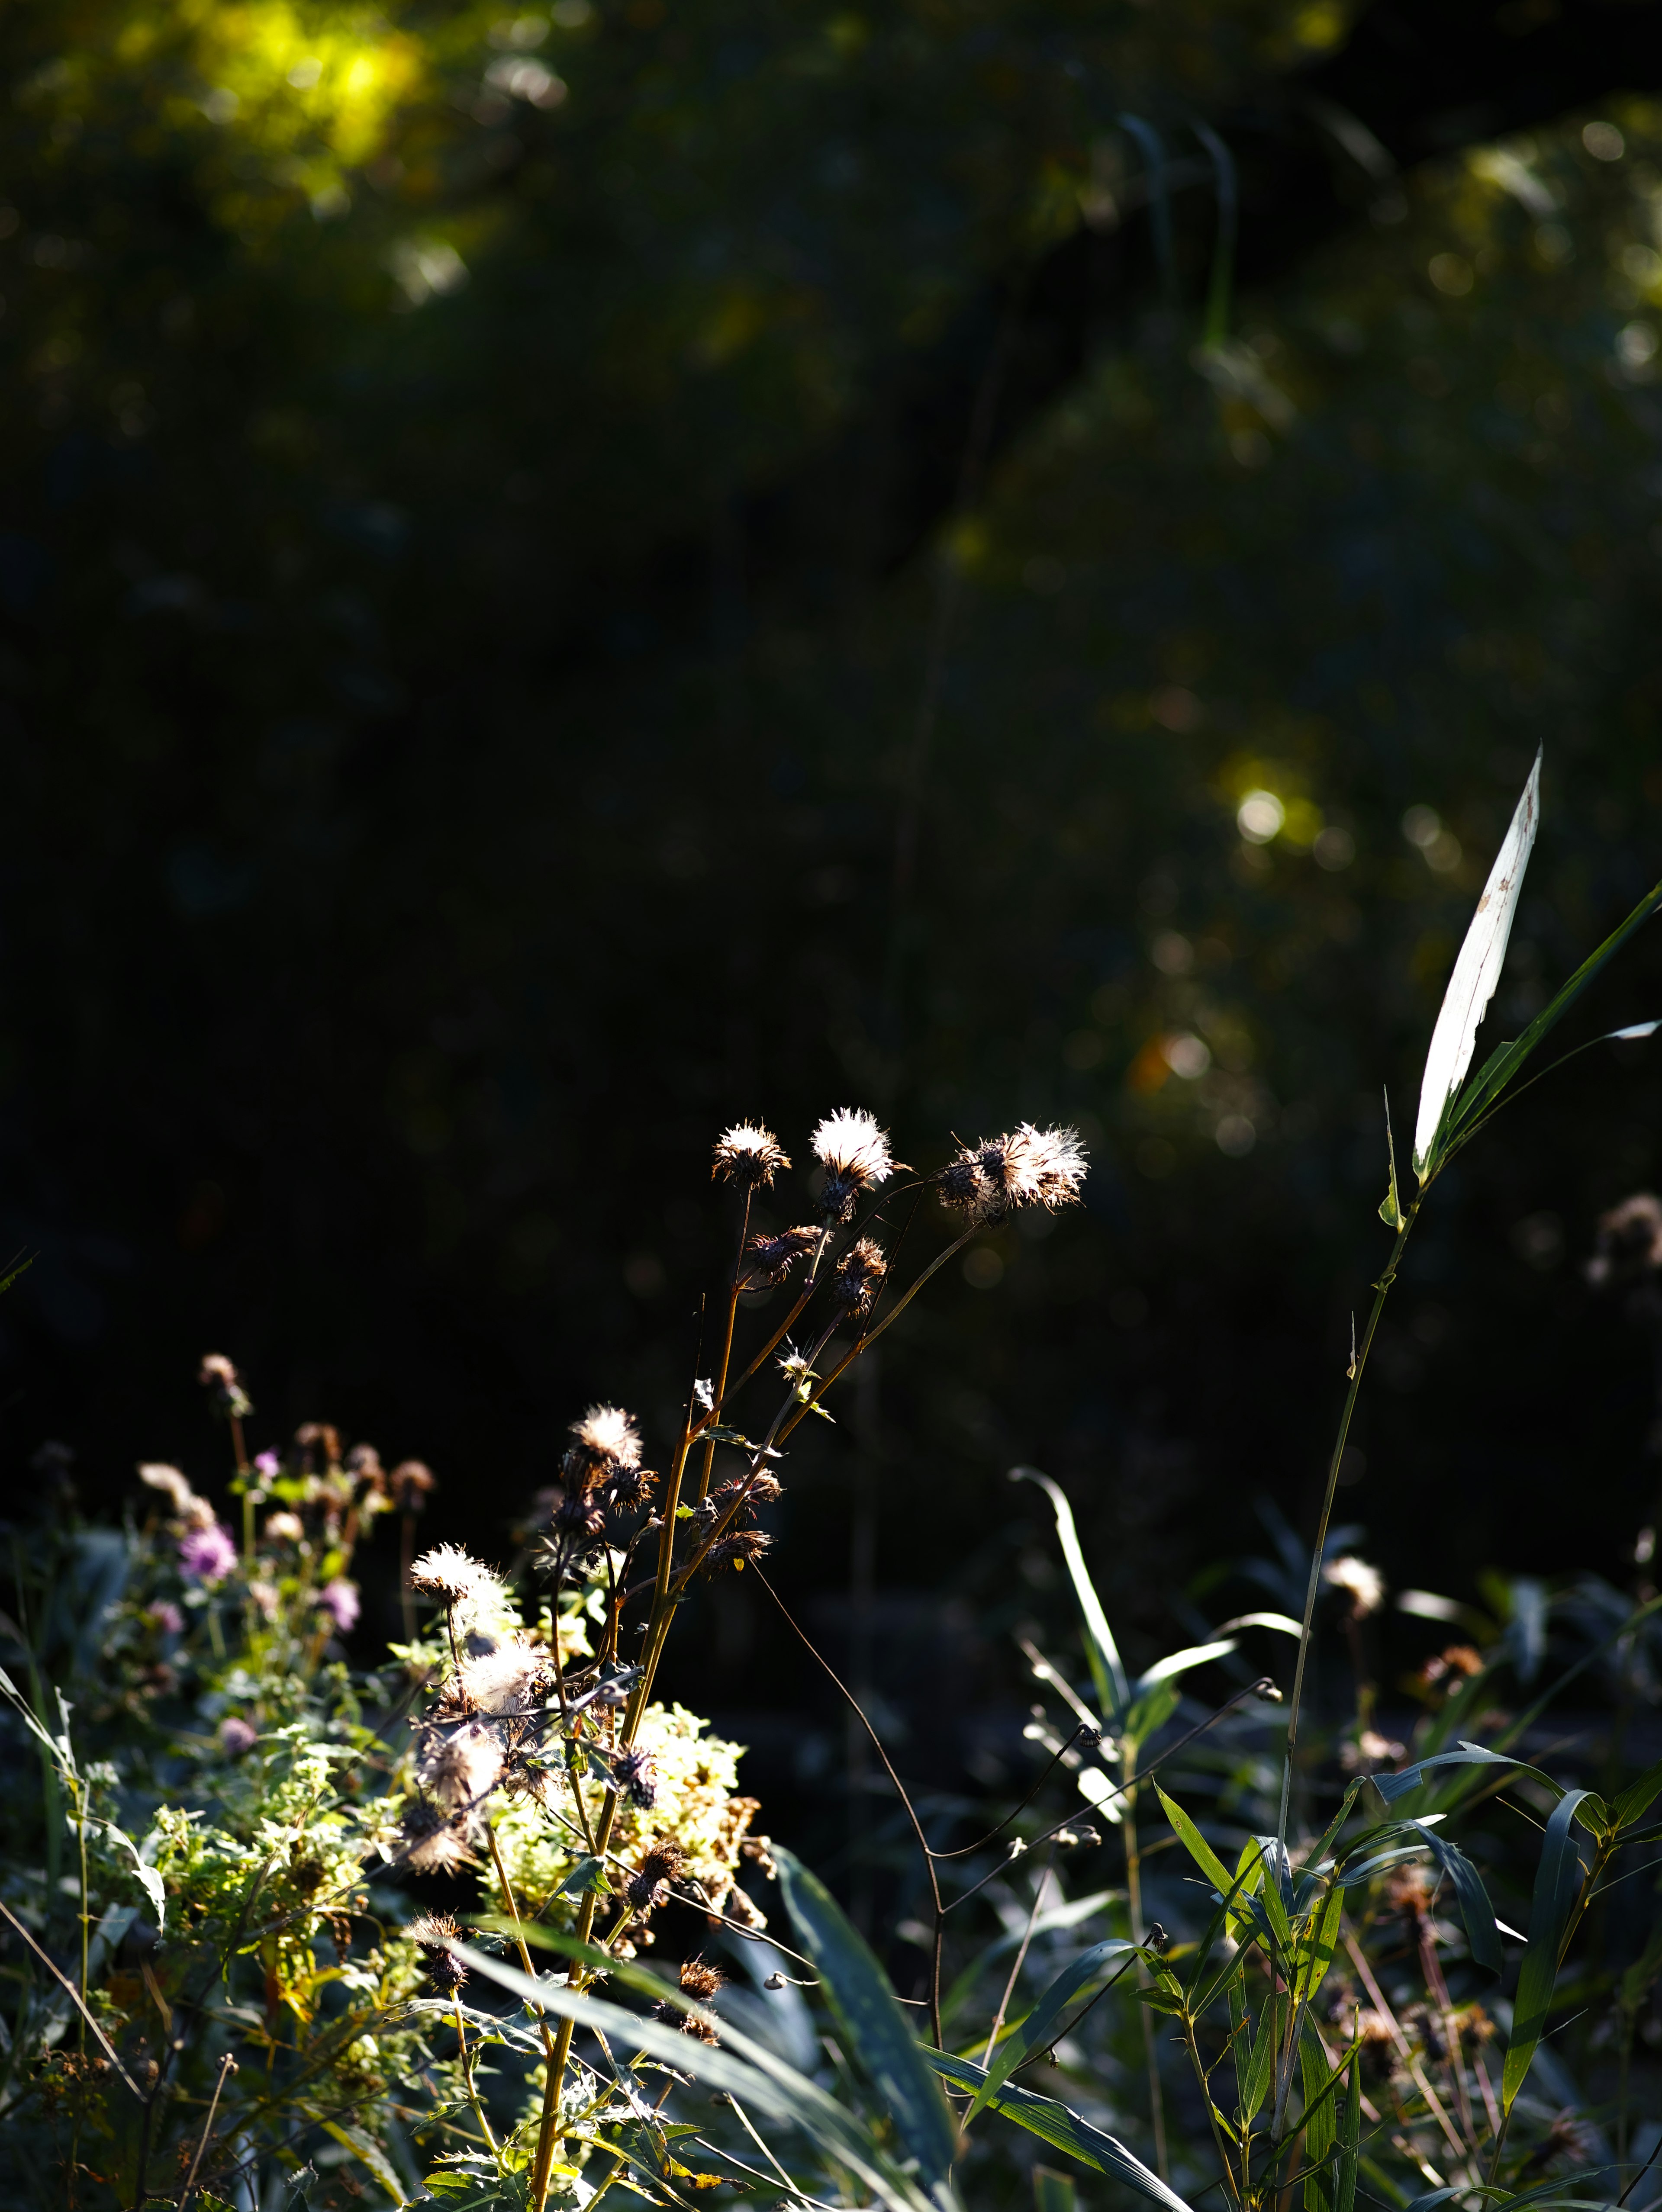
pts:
[855, 1156]
[501, 1681]
[748, 1155]
[1026, 1166]
[769, 1259]
[433, 1933]
[659, 1865]
[701, 1980]
[764, 1488]
[460, 1766]
[1629, 1240]
[412, 1483]
[171, 1482]
[318, 1444]
[218, 1376]
[736, 1550]
[433, 1845]
[448, 1573]
[577, 1519]
[606, 1437]
[964, 1185]
[629, 1489]
[635, 1773]
[1362, 1584]
[859, 1278]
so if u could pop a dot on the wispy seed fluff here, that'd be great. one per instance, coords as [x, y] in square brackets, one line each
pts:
[748, 1155]
[1027, 1167]
[499, 1681]
[855, 1156]
[432, 1843]
[1362, 1584]
[606, 1437]
[448, 1573]
[460, 1766]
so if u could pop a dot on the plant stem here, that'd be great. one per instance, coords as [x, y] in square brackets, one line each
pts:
[467, 2076]
[721, 1387]
[1382, 1290]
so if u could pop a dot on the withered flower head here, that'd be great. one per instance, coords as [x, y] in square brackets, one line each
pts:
[1456, 1661]
[748, 1155]
[433, 1933]
[461, 1767]
[859, 1278]
[318, 1441]
[577, 1520]
[607, 1437]
[364, 1462]
[1364, 1585]
[1026, 1166]
[412, 1483]
[432, 1843]
[700, 1981]
[629, 1488]
[218, 1376]
[855, 1156]
[659, 1865]
[734, 1550]
[448, 1573]
[499, 1681]
[764, 1488]
[179, 1494]
[769, 1259]
[635, 1773]
[1629, 1240]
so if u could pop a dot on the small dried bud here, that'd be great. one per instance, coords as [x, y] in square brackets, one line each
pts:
[433, 1933]
[629, 1489]
[769, 1259]
[734, 1551]
[219, 1378]
[701, 1980]
[748, 1155]
[636, 1774]
[1156, 1937]
[412, 1483]
[577, 1520]
[855, 1156]
[647, 1887]
[859, 1278]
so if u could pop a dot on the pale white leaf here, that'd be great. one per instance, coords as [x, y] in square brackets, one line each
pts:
[1283, 1621]
[1180, 1662]
[1476, 971]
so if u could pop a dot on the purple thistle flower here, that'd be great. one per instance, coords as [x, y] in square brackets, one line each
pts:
[339, 1600]
[235, 1736]
[207, 1555]
[166, 1616]
[267, 1466]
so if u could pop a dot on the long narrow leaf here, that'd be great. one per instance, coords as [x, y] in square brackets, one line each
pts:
[1350, 2137]
[1195, 1844]
[1040, 2025]
[879, 2035]
[1054, 2124]
[1558, 1880]
[1318, 2081]
[758, 2077]
[1477, 972]
[1482, 1938]
[1391, 1787]
[1107, 1671]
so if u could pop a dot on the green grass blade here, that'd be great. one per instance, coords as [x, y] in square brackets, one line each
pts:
[1320, 2128]
[1053, 2191]
[1196, 1845]
[1558, 1880]
[1041, 2023]
[1107, 1670]
[1483, 1937]
[877, 2034]
[1350, 2137]
[1064, 2130]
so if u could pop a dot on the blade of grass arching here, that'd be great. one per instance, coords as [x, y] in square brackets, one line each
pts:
[1483, 1937]
[1055, 2124]
[1107, 1671]
[877, 2034]
[1040, 2026]
[1153, 150]
[1558, 1882]
[746, 2069]
[1223, 251]
[1195, 1844]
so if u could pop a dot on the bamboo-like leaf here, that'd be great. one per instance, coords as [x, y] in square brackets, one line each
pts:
[1195, 1844]
[1391, 1787]
[1636, 1798]
[1041, 2024]
[1390, 1207]
[1482, 1938]
[758, 2077]
[1558, 1880]
[1053, 2191]
[1055, 2124]
[1318, 2080]
[877, 2034]
[1350, 2137]
[1180, 1662]
[1107, 1671]
[364, 2147]
[1477, 972]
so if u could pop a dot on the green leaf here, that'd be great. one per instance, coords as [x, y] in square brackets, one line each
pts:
[1350, 2136]
[878, 2035]
[1195, 1844]
[1318, 2080]
[1316, 1951]
[1391, 1787]
[1053, 2191]
[1558, 1880]
[587, 1877]
[1483, 1937]
[1041, 2024]
[1391, 1212]
[1254, 2051]
[1107, 1671]
[758, 2077]
[1636, 1798]
[366, 2149]
[1054, 2124]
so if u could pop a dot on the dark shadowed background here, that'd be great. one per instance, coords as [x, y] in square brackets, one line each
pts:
[570, 576]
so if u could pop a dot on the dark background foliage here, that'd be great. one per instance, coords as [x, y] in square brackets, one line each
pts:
[569, 578]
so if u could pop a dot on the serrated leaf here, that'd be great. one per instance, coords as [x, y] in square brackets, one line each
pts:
[1054, 2124]
[1042, 2022]
[879, 2036]
[1558, 1880]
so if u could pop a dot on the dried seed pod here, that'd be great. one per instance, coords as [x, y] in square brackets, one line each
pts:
[748, 1155]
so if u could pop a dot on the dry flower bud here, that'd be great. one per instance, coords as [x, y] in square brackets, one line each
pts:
[606, 1438]
[433, 1933]
[411, 1482]
[734, 1550]
[635, 1773]
[433, 1845]
[318, 1441]
[647, 1887]
[859, 1278]
[769, 1259]
[748, 1155]
[219, 1378]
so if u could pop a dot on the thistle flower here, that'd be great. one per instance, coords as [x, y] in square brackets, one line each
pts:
[166, 1616]
[1364, 1585]
[283, 1529]
[219, 1378]
[1027, 1166]
[318, 1440]
[169, 1480]
[859, 1278]
[855, 1156]
[207, 1555]
[433, 1845]
[499, 1681]
[460, 1766]
[699, 1981]
[412, 1483]
[748, 1155]
[635, 1773]
[448, 1573]
[236, 1736]
[433, 1933]
[769, 1259]
[629, 1489]
[606, 1437]
[339, 1599]
[734, 1551]
[267, 1466]
[648, 1886]
[796, 1367]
